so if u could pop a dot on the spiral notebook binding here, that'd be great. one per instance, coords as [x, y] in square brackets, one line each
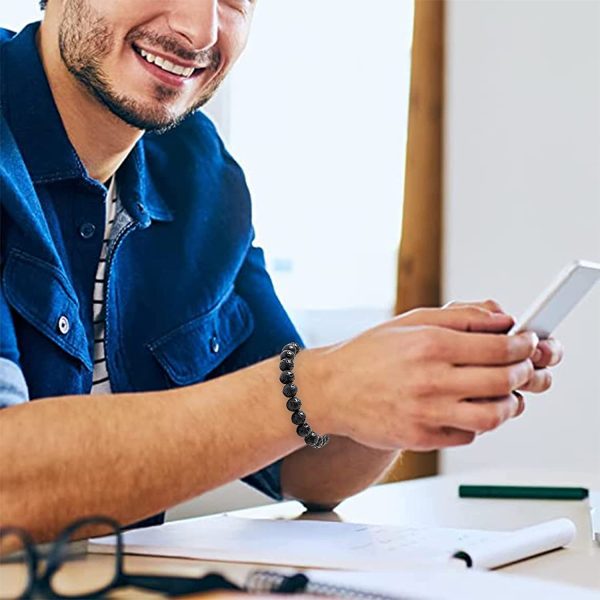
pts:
[270, 581]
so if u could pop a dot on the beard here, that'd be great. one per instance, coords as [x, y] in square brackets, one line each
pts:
[85, 39]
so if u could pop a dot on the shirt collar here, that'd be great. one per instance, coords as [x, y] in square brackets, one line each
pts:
[38, 130]
[32, 114]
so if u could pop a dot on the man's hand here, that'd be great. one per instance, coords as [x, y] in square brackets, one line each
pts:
[410, 382]
[427, 379]
[547, 354]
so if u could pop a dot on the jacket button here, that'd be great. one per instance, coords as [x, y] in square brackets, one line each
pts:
[87, 230]
[63, 325]
[214, 344]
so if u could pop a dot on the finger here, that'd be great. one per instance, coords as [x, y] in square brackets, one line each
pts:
[482, 415]
[462, 348]
[442, 437]
[465, 318]
[490, 305]
[489, 382]
[548, 353]
[541, 381]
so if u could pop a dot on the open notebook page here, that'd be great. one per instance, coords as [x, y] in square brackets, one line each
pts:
[323, 544]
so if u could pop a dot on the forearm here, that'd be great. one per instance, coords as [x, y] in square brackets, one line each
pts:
[129, 456]
[323, 478]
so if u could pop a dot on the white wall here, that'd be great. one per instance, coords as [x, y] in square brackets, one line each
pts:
[17, 13]
[318, 121]
[523, 199]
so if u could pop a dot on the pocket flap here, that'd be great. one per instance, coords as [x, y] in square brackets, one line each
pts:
[43, 296]
[194, 349]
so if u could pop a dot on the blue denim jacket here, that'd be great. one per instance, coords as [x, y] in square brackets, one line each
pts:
[187, 294]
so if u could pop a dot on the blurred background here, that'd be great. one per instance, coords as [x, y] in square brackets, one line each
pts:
[404, 154]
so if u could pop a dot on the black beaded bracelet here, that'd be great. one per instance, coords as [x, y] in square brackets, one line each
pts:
[294, 404]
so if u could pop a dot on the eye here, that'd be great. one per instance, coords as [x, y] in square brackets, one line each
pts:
[241, 5]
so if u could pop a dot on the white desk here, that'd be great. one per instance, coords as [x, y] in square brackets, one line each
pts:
[434, 502]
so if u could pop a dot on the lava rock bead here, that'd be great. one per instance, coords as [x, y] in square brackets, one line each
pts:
[287, 364]
[303, 430]
[311, 439]
[287, 377]
[298, 417]
[293, 404]
[295, 348]
[289, 390]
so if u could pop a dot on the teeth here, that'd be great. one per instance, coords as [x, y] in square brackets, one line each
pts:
[166, 65]
[149, 57]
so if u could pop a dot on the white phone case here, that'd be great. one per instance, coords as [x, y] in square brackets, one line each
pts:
[557, 301]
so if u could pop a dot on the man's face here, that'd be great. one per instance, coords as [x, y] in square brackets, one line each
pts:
[152, 62]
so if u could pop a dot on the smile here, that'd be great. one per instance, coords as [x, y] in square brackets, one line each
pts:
[166, 65]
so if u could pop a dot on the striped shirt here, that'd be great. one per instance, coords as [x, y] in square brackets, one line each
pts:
[100, 381]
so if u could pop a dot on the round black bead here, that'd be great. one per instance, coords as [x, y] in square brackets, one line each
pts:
[293, 404]
[289, 390]
[286, 364]
[303, 430]
[287, 377]
[311, 439]
[295, 348]
[287, 354]
[298, 417]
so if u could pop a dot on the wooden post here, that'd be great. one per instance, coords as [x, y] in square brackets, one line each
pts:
[419, 263]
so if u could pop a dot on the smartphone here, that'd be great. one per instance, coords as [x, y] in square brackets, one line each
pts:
[559, 299]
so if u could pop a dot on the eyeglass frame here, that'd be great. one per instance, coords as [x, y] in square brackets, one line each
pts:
[55, 558]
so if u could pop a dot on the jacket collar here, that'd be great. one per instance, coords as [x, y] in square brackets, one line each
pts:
[31, 113]
[27, 103]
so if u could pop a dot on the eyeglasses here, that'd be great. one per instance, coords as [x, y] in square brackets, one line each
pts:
[66, 573]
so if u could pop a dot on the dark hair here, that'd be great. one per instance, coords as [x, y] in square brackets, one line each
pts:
[43, 4]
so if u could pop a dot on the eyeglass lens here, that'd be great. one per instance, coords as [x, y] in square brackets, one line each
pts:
[77, 574]
[15, 566]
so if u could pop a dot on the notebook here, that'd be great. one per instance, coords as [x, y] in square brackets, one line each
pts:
[335, 545]
[415, 583]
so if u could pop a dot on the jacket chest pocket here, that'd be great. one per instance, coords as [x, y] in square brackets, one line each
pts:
[193, 350]
[43, 296]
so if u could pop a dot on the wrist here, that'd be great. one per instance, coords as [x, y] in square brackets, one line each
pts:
[314, 378]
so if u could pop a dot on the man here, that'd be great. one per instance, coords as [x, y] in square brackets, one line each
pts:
[134, 304]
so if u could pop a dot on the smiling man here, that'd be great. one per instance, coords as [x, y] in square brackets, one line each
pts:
[104, 52]
[139, 355]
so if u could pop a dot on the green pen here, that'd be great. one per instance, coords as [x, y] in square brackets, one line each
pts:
[522, 492]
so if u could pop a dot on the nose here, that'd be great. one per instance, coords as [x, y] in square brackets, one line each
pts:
[197, 21]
